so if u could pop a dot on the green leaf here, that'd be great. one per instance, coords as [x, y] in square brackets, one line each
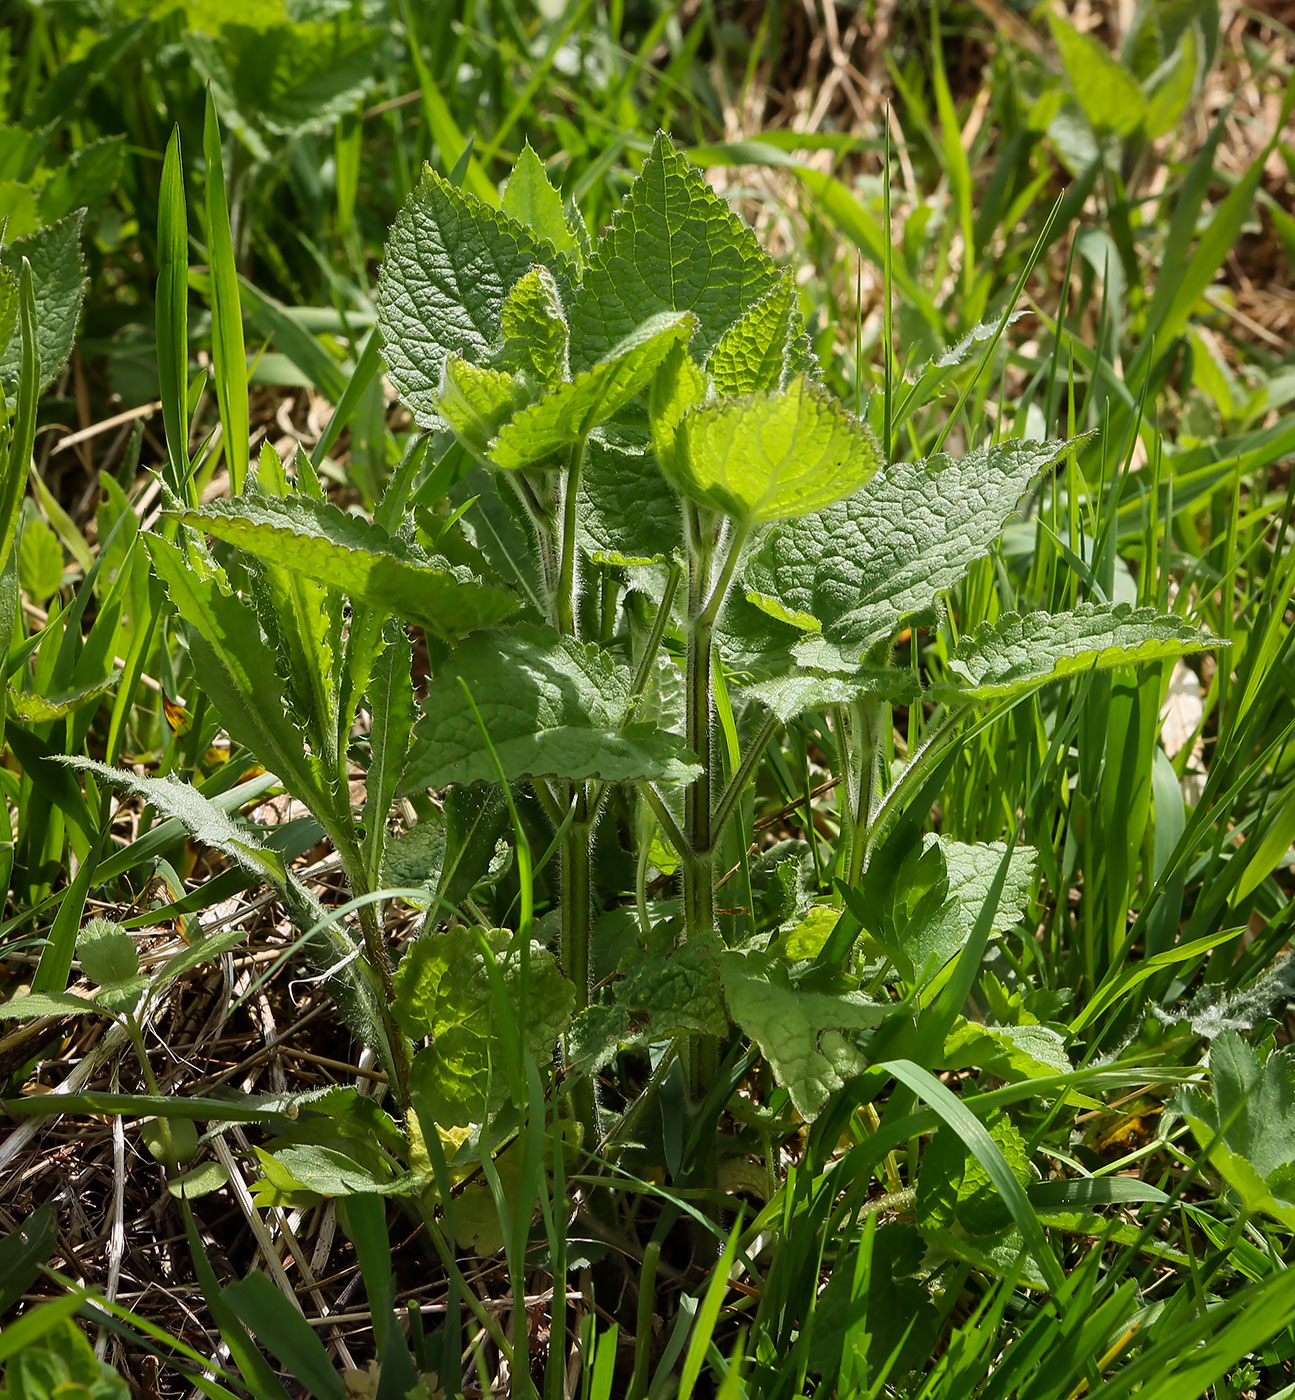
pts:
[953, 1186]
[627, 512]
[58, 270]
[772, 455]
[1254, 1105]
[1174, 90]
[570, 412]
[1009, 1053]
[531, 200]
[443, 991]
[87, 178]
[676, 987]
[861, 568]
[29, 1005]
[279, 1326]
[449, 265]
[198, 1181]
[679, 386]
[673, 245]
[391, 703]
[793, 694]
[534, 326]
[107, 952]
[477, 401]
[754, 353]
[358, 558]
[1016, 653]
[40, 709]
[40, 561]
[552, 707]
[798, 1032]
[1109, 94]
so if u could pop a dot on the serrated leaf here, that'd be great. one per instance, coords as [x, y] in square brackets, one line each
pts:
[477, 401]
[673, 245]
[1009, 1053]
[568, 413]
[40, 709]
[791, 695]
[107, 952]
[448, 267]
[754, 353]
[58, 271]
[862, 567]
[627, 512]
[89, 176]
[953, 1187]
[358, 558]
[676, 987]
[40, 561]
[534, 325]
[772, 455]
[552, 706]
[29, 1005]
[531, 200]
[1016, 653]
[443, 991]
[798, 1032]
[679, 386]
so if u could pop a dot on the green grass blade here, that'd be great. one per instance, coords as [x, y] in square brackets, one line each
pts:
[173, 318]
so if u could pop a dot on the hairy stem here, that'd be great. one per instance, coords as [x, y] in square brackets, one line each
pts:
[564, 611]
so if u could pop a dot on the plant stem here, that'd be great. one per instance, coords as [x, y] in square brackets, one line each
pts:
[865, 758]
[732, 794]
[564, 598]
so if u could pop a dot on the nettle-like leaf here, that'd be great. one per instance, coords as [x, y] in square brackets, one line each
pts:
[358, 558]
[800, 1033]
[673, 245]
[443, 991]
[627, 512]
[449, 265]
[59, 275]
[800, 690]
[552, 706]
[531, 200]
[568, 413]
[676, 987]
[953, 1187]
[754, 353]
[107, 952]
[1248, 1125]
[1017, 653]
[859, 569]
[476, 401]
[536, 337]
[772, 455]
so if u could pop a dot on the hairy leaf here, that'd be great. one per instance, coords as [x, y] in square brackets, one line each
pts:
[798, 1032]
[790, 695]
[443, 991]
[477, 401]
[58, 271]
[676, 987]
[860, 568]
[772, 455]
[1017, 653]
[534, 326]
[552, 707]
[754, 353]
[107, 952]
[627, 512]
[531, 200]
[568, 413]
[449, 265]
[358, 558]
[673, 245]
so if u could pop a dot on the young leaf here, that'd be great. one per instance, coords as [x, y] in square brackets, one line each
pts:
[673, 245]
[107, 952]
[861, 568]
[1108, 93]
[772, 455]
[358, 558]
[570, 412]
[798, 1032]
[534, 326]
[531, 200]
[753, 354]
[32, 1004]
[953, 1186]
[1016, 653]
[477, 401]
[58, 272]
[552, 707]
[627, 512]
[449, 265]
[443, 991]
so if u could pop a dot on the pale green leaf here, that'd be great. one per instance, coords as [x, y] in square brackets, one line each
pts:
[58, 271]
[531, 200]
[40, 709]
[1009, 1053]
[772, 455]
[443, 991]
[552, 708]
[107, 952]
[201, 1180]
[862, 567]
[673, 245]
[477, 401]
[29, 1005]
[1016, 653]
[790, 695]
[534, 327]
[754, 353]
[40, 561]
[358, 558]
[1109, 94]
[679, 386]
[449, 265]
[953, 1187]
[568, 413]
[798, 1032]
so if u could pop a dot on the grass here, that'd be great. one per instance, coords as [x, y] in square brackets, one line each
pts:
[964, 1216]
